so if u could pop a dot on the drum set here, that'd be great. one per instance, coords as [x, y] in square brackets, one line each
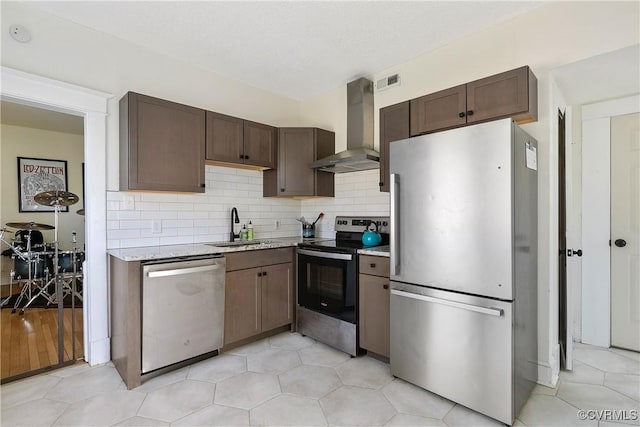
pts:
[42, 270]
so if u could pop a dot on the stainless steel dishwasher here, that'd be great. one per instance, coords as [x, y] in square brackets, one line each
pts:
[182, 309]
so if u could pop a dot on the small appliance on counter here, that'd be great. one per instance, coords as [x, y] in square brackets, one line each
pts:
[328, 282]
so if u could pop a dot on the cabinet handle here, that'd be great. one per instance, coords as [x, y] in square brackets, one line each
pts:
[385, 286]
[264, 273]
[372, 265]
[259, 274]
[246, 157]
[380, 184]
[282, 190]
[469, 112]
[461, 114]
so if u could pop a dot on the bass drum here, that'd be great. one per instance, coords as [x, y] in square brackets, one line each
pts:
[39, 263]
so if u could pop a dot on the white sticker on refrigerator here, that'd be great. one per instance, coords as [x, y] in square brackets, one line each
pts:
[531, 156]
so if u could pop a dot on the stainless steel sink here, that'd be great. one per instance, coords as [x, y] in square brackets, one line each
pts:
[228, 244]
[238, 243]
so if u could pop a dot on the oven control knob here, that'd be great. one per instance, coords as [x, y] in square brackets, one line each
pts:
[378, 223]
[384, 223]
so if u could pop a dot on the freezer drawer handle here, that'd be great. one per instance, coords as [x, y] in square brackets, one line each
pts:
[181, 271]
[484, 310]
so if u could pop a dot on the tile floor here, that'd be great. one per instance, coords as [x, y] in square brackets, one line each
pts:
[291, 380]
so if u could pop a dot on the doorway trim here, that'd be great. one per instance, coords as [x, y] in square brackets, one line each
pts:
[38, 91]
[596, 218]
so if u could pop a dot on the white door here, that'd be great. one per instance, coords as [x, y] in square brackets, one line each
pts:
[625, 231]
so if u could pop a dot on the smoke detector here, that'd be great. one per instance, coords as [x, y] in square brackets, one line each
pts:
[20, 33]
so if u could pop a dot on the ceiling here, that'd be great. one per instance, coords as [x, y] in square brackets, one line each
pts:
[298, 49]
[15, 114]
[611, 75]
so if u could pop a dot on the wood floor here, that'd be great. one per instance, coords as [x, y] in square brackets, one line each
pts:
[30, 341]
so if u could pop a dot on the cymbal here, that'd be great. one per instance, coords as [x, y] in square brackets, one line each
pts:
[80, 211]
[56, 198]
[30, 226]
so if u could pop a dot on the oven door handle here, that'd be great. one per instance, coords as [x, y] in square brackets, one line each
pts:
[330, 255]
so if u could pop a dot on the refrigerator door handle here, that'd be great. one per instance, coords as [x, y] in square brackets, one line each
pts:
[394, 261]
[497, 312]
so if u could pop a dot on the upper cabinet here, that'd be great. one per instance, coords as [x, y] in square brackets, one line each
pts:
[162, 145]
[440, 110]
[509, 94]
[297, 147]
[394, 125]
[236, 141]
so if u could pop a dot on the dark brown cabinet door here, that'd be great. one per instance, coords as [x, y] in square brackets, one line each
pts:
[374, 314]
[259, 144]
[440, 110]
[277, 288]
[224, 138]
[242, 305]
[509, 94]
[162, 145]
[325, 145]
[394, 125]
[297, 147]
[295, 152]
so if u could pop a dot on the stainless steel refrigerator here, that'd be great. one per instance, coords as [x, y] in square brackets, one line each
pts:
[464, 265]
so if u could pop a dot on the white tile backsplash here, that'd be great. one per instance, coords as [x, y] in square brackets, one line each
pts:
[198, 218]
[357, 193]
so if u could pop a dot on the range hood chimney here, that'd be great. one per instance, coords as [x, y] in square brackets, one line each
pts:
[359, 154]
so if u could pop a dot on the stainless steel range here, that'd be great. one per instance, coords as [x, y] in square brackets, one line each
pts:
[328, 283]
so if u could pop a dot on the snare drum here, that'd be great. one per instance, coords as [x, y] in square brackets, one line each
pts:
[38, 265]
[66, 261]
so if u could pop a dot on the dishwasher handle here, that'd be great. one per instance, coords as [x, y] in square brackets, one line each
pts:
[484, 310]
[183, 271]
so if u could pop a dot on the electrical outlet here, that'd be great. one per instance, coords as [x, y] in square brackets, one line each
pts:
[276, 224]
[128, 203]
[156, 226]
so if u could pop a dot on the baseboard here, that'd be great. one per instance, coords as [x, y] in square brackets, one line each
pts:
[99, 352]
[549, 372]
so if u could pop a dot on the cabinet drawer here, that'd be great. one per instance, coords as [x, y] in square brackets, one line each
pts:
[251, 259]
[374, 265]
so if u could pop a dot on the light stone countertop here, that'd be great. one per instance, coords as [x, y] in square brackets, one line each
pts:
[172, 251]
[376, 251]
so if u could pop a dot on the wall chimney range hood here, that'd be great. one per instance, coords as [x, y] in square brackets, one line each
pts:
[359, 154]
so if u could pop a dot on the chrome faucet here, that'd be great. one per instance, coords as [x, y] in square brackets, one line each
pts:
[233, 235]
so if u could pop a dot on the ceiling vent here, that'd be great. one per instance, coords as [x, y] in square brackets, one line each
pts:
[388, 82]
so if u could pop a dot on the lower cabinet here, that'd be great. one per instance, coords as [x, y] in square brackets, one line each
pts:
[374, 304]
[258, 299]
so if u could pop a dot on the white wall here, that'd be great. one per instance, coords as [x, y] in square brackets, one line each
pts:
[555, 34]
[19, 141]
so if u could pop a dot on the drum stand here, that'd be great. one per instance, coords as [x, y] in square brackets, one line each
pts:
[39, 284]
[57, 277]
[16, 253]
